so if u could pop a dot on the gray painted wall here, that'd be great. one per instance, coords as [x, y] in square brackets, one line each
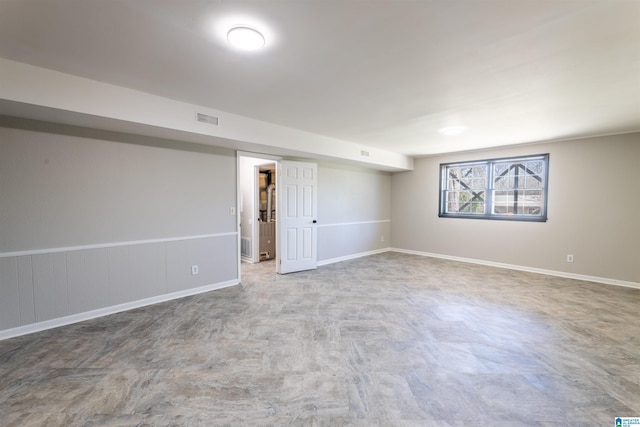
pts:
[593, 212]
[89, 223]
[147, 211]
[91, 220]
[354, 211]
[60, 191]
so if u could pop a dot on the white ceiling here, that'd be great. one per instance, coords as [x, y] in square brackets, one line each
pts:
[386, 74]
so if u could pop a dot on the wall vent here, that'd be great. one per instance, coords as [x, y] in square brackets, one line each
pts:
[205, 118]
[245, 247]
[364, 153]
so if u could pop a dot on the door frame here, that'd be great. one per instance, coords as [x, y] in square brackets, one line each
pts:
[255, 246]
[267, 159]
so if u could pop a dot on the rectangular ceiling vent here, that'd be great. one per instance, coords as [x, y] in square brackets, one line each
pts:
[205, 118]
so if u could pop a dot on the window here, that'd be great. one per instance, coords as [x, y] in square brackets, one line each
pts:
[510, 189]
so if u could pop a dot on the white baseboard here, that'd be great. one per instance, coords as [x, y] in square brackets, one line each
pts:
[584, 277]
[352, 256]
[87, 315]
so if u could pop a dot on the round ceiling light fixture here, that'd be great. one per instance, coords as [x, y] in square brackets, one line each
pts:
[245, 38]
[452, 130]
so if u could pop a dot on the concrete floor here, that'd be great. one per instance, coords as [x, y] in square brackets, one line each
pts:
[385, 340]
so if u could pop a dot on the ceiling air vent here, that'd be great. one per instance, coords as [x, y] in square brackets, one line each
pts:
[205, 118]
[364, 153]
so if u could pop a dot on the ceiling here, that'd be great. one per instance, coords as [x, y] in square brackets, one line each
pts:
[386, 74]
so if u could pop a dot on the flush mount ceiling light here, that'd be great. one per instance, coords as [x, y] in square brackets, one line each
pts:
[245, 38]
[452, 130]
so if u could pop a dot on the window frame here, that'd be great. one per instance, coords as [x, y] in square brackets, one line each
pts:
[489, 189]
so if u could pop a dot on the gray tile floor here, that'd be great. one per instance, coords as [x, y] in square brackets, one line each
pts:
[386, 340]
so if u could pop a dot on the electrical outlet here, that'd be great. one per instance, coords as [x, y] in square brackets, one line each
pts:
[232, 210]
[194, 270]
[569, 258]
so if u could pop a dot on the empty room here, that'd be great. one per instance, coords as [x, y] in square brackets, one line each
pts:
[319, 213]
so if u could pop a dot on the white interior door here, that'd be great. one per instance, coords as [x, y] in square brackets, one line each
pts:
[297, 198]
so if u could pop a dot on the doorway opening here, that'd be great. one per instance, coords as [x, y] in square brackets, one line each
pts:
[277, 201]
[266, 188]
[258, 208]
